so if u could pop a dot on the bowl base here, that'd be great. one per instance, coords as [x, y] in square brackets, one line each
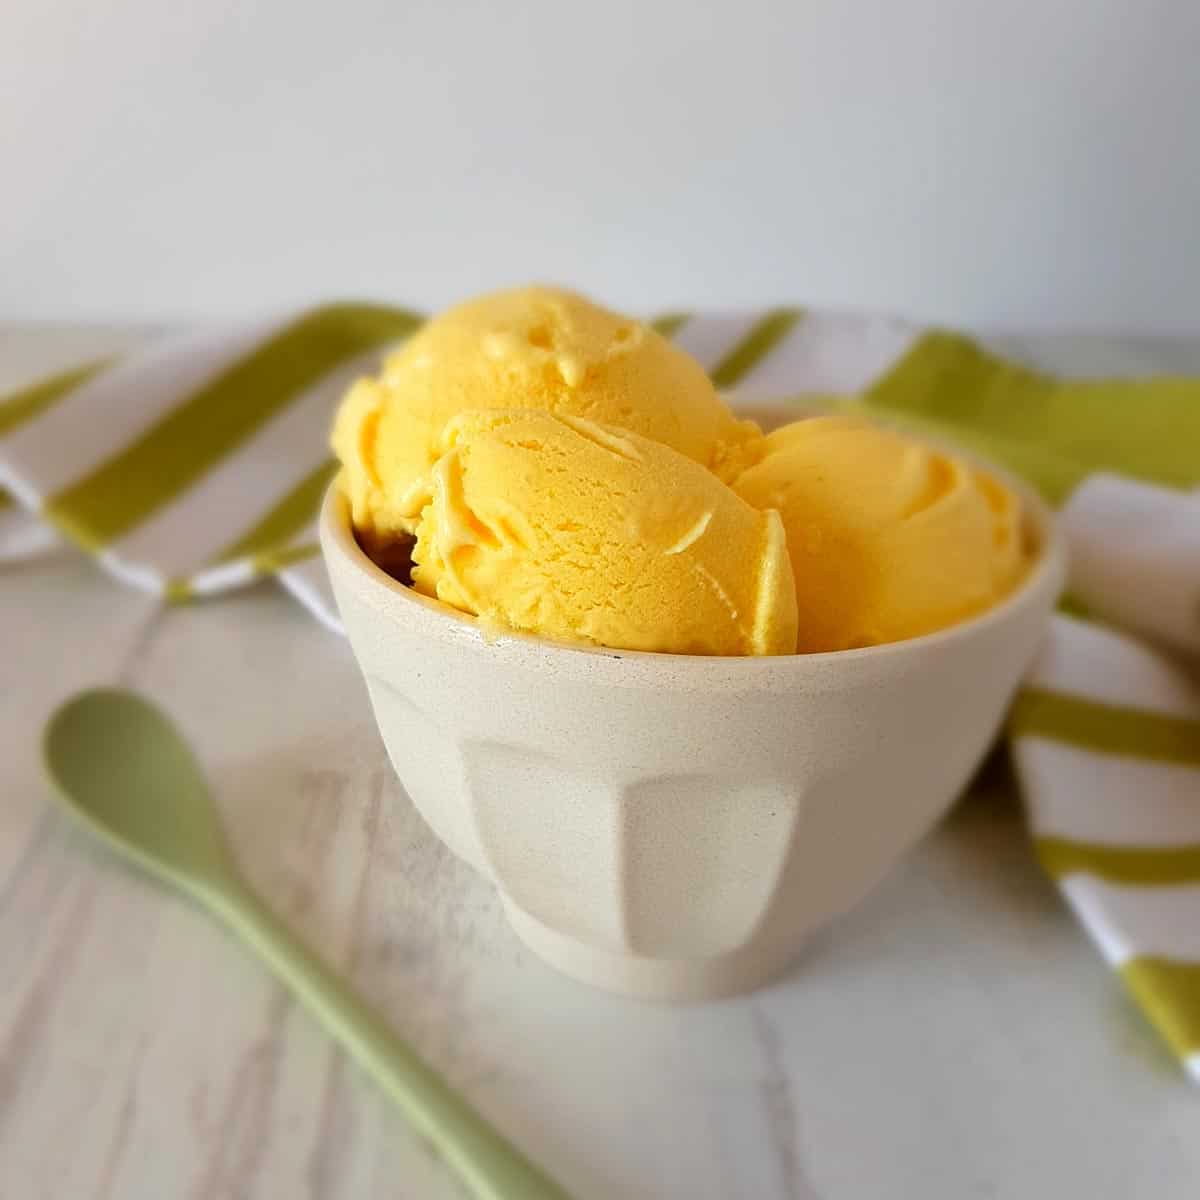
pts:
[663, 979]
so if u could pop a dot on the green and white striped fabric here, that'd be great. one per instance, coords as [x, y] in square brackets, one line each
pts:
[196, 467]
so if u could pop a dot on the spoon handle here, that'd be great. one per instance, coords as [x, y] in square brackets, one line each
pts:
[492, 1167]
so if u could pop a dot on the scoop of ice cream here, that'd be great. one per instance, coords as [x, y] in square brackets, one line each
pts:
[562, 527]
[532, 348]
[888, 538]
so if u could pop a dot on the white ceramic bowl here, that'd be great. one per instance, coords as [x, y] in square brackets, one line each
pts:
[672, 826]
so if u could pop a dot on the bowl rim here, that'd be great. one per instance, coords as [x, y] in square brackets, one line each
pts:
[345, 557]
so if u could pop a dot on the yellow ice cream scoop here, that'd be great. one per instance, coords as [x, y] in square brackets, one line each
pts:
[563, 527]
[533, 348]
[889, 538]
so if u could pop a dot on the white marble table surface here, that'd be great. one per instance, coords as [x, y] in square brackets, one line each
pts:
[954, 1037]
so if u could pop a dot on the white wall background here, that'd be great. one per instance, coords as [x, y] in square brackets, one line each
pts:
[1015, 163]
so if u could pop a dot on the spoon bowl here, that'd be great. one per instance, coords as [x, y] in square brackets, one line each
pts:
[121, 766]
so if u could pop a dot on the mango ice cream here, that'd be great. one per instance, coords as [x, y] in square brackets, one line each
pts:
[559, 526]
[889, 538]
[532, 348]
[554, 468]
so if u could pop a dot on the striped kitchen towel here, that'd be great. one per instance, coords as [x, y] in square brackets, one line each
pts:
[196, 466]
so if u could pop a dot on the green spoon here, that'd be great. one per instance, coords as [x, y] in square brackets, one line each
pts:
[121, 766]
